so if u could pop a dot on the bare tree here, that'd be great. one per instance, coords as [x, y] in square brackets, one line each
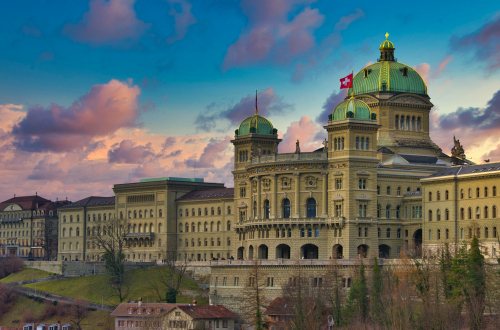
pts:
[111, 238]
[253, 296]
[167, 286]
[77, 313]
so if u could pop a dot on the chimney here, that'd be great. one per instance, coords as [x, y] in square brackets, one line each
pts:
[194, 302]
[139, 303]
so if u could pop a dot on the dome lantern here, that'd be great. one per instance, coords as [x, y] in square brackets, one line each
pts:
[387, 49]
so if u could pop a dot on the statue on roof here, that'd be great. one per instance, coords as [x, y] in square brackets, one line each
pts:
[297, 147]
[458, 150]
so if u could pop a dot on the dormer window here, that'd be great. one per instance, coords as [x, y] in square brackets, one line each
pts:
[404, 71]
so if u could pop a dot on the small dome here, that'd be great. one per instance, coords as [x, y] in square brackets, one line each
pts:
[256, 125]
[387, 44]
[353, 109]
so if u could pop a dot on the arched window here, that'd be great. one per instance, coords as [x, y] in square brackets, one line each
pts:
[438, 195]
[64, 232]
[430, 196]
[494, 191]
[228, 226]
[494, 211]
[266, 209]
[388, 211]
[438, 215]
[199, 226]
[439, 234]
[77, 231]
[478, 212]
[388, 233]
[396, 122]
[447, 214]
[286, 208]
[218, 225]
[477, 192]
[430, 215]
[193, 227]
[469, 212]
[187, 227]
[446, 195]
[486, 212]
[311, 207]
[379, 210]
[398, 211]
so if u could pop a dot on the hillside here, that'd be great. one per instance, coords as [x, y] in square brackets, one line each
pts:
[139, 283]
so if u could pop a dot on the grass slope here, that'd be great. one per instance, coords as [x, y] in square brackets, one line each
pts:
[25, 275]
[139, 284]
[94, 320]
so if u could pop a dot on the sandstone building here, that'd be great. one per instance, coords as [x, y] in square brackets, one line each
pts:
[379, 187]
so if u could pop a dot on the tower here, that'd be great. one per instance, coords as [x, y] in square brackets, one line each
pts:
[352, 161]
[398, 95]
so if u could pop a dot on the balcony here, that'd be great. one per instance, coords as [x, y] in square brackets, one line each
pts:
[280, 221]
[290, 157]
[149, 235]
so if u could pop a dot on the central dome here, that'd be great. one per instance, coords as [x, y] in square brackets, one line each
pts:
[351, 108]
[255, 125]
[387, 75]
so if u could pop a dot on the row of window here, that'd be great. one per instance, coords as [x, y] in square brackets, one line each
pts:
[485, 214]
[477, 233]
[138, 214]
[408, 123]
[213, 242]
[22, 214]
[199, 213]
[388, 190]
[205, 227]
[21, 233]
[285, 208]
[462, 193]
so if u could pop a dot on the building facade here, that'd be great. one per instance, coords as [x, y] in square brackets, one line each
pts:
[28, 227]
[360, 195]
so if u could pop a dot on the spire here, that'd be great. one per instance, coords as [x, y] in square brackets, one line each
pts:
[256, 104]
[387, 36]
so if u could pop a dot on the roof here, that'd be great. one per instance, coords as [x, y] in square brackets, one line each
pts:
[418, 159]
[351, 108]
[256, 124]
[279, 306]
[173, 178]
[142, 310]
[208, 194]
[208, 312]
[26, 202]
[467, 169]
[91, 201]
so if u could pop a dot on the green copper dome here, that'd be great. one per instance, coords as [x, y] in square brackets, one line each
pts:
[351, 108]
[255, 125]
[387, 75]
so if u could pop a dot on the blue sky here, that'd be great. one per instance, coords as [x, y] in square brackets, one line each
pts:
[184, 60]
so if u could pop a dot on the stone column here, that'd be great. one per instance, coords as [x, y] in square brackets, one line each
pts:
[274, 209]
[296, 206]
[324, 196]
[259, 198]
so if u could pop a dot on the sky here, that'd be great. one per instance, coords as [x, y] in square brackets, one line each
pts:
[99, 92]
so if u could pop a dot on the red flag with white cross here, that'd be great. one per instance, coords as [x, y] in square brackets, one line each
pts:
[346, 82]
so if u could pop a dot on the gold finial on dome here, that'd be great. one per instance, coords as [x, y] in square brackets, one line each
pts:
[387, 35]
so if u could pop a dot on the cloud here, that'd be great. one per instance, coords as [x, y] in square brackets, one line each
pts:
[330, 103]
[427, 73]
[183, 19]
[107, 22]
[477, 129]
[103, 110]
[127, 152]
[306, 131]
[345, 21]
[484, 43]
[269, 103]
[273, 32]
[317, 55]
[211, 153]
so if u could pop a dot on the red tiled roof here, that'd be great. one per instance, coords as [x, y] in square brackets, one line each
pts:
[144, 310]
[208, 312]
[26, 202]
[208, 194]
[279, 306]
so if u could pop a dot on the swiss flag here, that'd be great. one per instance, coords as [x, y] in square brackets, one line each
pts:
[346, 82]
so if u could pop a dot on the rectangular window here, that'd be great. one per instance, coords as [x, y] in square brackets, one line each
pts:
[270, 281]
[362, 210]
[362, 184]
[236, 281]
[338, 184]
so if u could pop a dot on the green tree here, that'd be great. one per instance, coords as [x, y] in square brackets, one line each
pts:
[357, 305]
[475, 285]
[376, 302]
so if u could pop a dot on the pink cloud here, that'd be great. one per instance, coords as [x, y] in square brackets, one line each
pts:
[183, 18]
[345, 21]
[107, 22]
[211, 153]
[424, 70]
[271, 34]
[103, 110]
[130, 153]
[269, 103]
[306, 131]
